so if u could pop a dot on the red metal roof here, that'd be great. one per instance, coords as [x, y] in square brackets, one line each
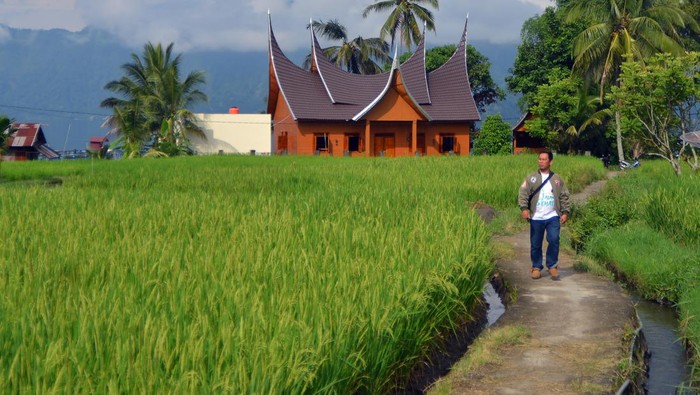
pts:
[96, 143]
[328, 93]
[26, 135]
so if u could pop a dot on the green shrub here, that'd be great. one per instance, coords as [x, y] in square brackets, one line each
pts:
[607, 210]
[656, 267]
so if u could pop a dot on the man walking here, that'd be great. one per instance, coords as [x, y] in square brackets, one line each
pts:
[544, 201]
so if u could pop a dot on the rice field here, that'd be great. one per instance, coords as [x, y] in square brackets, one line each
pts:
[242, 274]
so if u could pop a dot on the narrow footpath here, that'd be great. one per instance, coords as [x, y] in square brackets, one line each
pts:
[574, 329]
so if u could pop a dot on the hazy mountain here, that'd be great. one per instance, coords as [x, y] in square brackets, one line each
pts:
[57, 78]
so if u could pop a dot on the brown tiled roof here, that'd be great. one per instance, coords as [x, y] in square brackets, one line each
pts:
[450, 92]
[344, 87]
[328, 93]
[414, 76]
[520, 126]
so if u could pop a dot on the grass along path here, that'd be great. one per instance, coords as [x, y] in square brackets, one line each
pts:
[562, 336]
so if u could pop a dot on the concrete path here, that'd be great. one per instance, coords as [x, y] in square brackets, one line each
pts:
[574, 330]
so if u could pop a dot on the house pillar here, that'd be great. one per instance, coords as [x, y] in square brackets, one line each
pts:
[368, 141]
[414, 136]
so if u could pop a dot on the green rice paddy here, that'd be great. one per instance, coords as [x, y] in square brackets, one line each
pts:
[242, 274]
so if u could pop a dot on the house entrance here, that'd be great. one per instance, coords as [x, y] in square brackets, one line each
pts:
[384, 143]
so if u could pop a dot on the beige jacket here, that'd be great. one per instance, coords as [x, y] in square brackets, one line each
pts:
[532, 181]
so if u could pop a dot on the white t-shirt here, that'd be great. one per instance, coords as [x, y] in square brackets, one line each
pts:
[545, 204]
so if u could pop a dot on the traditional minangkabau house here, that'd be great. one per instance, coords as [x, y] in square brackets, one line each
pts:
[403, 112]
[522, 141]
[27, 142]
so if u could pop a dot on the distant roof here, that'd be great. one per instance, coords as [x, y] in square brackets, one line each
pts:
[30, 135]
[692, 138]
[520, 126]
[26, 135]
[97, 143]
[327, 92]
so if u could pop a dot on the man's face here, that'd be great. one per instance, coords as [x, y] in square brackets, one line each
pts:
[543, 162]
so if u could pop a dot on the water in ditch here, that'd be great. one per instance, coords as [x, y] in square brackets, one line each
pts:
[668, 366]
[496, 307]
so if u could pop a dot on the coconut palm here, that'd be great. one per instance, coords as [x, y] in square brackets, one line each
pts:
[154, 99]
[620, 30]
[359, 55]
[5, 133]
[403, 19]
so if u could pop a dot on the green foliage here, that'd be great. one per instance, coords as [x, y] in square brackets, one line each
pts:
[5, 132]
[546, 46]
[657, 101]
[657, 250]
[609, 209]
[650, 262]
[154, 100]
[495, 137]
[403, 19]
[359, 55]
[623, 28]
[555, 109]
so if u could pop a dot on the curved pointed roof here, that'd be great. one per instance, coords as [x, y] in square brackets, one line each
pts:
[449, 84]
[328, 93]
[414, 75]
[342, 86]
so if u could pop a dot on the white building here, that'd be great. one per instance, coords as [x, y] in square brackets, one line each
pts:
[234, 134]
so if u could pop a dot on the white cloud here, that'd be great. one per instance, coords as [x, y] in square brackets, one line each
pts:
[542, 4]
[4, 33]
[242, 24]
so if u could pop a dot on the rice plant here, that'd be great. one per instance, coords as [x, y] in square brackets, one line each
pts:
[239, 274]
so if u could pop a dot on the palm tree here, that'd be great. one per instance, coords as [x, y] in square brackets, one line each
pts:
[403, 19]
[5, 133]
[154, 99]
[130, 123]
[359, 56]
[621, 30]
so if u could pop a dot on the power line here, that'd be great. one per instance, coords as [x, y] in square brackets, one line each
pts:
[52, 110]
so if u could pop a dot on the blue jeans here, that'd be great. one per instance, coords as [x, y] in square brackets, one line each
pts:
[537, 230]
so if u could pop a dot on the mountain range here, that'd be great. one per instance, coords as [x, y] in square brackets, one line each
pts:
[57, 78]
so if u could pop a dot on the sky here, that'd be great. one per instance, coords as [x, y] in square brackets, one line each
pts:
[241, 25]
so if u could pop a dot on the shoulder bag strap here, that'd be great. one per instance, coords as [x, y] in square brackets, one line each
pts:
[529, 199]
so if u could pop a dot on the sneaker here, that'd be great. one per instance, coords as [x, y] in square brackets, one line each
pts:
[554, 273]
[535, 273]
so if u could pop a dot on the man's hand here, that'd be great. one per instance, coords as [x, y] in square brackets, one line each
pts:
[563, 218]
[525, 214]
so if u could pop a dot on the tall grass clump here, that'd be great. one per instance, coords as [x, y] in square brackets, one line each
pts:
[655, 245]
[239, 274]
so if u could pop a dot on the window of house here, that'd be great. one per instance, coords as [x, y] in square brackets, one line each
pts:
[321, 143]
[282, 141]
[447, 143]
[353, 143]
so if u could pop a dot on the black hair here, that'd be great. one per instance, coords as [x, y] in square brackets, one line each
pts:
[549, 153]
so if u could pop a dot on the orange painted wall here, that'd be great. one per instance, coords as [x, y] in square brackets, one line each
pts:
[336, 132]
[392, 116]
[284, 122]
[432, 132]
[393, 107]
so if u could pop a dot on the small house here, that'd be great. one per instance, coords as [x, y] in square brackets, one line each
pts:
[27, 142]
[522, 141]
[405, 111]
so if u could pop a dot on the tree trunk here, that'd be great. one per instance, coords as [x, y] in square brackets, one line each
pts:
[618, 133]
[676, 165]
